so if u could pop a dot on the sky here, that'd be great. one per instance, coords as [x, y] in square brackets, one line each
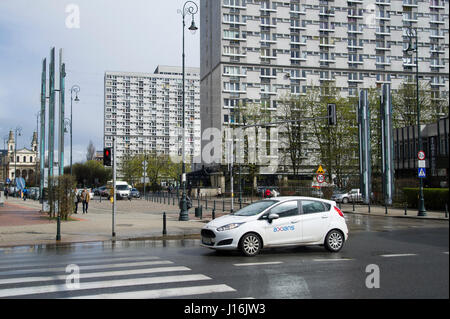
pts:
[96, 36]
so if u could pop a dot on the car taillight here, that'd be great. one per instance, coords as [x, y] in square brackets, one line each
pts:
[339, 211]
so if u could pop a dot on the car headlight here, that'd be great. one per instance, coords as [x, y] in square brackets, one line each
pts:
[229, 227]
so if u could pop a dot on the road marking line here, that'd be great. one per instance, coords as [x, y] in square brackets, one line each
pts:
[99, 284]
[68, 262]
[83, 268]
[70, 256]
[258, 264]
[162, 293]
[334, 259]
[398, 255]
[94, 275]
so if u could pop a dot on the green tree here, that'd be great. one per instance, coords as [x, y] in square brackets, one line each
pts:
[337, 144]
[87, 174]
[404, 101]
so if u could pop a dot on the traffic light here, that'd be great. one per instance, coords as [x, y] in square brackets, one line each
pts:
[332, 117]
[107, 155]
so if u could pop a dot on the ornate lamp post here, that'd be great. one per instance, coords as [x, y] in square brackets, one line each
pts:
[191, 8]
[75, 89]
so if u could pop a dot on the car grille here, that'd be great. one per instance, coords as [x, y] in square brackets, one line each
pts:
[208, 233]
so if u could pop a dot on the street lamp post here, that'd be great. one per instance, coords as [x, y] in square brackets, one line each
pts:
[75, 89]
[18, 130]
[191, 8]
[412, 35]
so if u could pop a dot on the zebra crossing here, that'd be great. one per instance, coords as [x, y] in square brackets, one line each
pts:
[104, 277]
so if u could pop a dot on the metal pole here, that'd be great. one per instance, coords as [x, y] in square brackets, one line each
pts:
[42, 137]
[422, 210]
[62, 76]
[184, 214]
[71, 127]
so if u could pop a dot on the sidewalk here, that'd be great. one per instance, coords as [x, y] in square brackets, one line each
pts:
[391, 212]
[134, 220]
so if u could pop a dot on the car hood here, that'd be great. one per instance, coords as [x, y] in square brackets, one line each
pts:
[228, 219]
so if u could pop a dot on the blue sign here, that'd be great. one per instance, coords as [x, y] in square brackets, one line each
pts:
[422, 172]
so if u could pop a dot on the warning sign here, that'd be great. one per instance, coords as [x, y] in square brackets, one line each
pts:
[320, 170]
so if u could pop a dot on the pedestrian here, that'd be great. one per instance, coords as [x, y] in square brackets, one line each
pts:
[77, 199]
[219, 192]
[85, 197]
[6, 193]
[268, 193]
[25, 193]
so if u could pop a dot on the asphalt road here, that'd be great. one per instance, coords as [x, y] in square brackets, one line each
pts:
[410, 256]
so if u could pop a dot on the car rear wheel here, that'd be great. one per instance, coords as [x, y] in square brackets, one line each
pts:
[334, 241]
[251, 245]
[345, 200]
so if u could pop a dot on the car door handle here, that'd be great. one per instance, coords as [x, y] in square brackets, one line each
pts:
[295, 221]
[324, 217]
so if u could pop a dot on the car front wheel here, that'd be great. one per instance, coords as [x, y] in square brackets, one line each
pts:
[251, 245]
[334, 241]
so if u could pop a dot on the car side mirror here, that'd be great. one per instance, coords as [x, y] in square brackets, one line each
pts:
[273, 217]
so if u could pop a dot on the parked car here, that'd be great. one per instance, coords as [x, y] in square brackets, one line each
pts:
[278, 222]
[135, 193]
[274, 191]
[99, 191]
[33, 193]
[353, 195]
[123, 190]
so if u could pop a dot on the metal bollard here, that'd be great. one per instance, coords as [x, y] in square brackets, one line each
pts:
[164, 224]
[406, 209]
[385, 208]
[214, 214]
[353, 204]
[223, 205]
[58, 228]
[446, 210]
[206, 204]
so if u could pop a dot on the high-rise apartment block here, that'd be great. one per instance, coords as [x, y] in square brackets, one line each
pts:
[144, 112]
[257, 51]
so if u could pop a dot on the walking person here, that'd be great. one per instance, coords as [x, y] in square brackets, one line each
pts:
[77, 199]
[25, 193]
[6, 193]
[85, 197]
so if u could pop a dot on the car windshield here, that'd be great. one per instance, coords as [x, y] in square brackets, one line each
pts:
[122, 187]
[255, 208]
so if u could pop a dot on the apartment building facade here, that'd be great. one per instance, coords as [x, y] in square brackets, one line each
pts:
[143, 111]
[259, 51]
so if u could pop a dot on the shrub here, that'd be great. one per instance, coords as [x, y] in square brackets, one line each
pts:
[435, 198]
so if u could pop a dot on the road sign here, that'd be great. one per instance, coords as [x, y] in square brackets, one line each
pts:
[422, 164]
[421, 155]
[422, 173]
[320, 170]
[321, 178]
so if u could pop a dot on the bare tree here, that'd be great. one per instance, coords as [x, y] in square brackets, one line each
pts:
[90, 156]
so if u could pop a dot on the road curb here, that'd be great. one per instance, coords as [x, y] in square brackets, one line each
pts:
[397, 216]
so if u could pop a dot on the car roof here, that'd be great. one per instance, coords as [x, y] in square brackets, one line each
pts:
[286, 198]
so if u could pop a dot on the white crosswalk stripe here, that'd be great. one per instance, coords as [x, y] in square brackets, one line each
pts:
[132, 277]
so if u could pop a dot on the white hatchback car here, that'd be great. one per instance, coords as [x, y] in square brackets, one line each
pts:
[277, 222]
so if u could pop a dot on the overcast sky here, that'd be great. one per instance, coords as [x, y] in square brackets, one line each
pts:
[113, 35]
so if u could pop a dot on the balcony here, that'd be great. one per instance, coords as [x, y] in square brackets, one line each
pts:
[410, 3]
[383, 2]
